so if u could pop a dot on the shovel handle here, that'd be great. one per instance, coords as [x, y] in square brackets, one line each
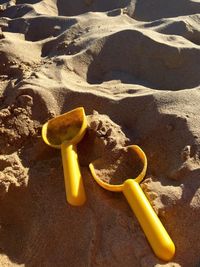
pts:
[155, 232]
[75, 192]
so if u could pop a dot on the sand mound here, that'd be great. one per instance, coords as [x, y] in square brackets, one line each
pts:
[134, 66]
[155, 9]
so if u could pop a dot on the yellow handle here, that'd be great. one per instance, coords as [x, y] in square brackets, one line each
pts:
[155, 232]
[75, 192]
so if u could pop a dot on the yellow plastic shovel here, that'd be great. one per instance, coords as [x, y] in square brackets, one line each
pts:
[64, 132]
[155, 232]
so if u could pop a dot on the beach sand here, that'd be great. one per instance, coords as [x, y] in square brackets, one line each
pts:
[134, 66]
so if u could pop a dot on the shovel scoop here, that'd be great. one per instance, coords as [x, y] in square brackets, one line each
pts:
[64, 132]
[155, 232]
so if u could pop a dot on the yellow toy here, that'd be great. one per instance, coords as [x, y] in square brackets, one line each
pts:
[64, 132]
[155, 232]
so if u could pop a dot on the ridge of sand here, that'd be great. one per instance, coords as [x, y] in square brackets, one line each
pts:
[134, 66]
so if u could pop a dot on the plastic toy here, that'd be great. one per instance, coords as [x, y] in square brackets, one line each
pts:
[64, 132]
[155, 232]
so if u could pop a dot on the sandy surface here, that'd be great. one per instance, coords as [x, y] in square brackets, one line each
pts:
[135, 67]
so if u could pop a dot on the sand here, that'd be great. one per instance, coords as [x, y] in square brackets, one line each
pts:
[134, 66]
[117, 166]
